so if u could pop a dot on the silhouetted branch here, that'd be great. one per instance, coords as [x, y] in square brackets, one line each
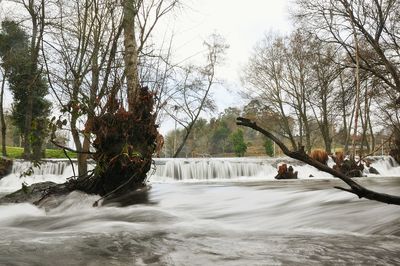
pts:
[300, 155]
[69, 149]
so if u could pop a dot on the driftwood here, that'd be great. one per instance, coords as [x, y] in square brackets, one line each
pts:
[286, 173]
[300, 155]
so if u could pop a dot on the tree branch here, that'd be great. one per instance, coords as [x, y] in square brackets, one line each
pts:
[71, 150]
[300, 155]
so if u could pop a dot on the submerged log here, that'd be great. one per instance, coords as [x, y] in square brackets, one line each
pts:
[285, 172]
[300, 155]
[36, 193]
[5, 166]
[350, 168]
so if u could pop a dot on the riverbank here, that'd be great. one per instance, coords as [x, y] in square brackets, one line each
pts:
[16, 153]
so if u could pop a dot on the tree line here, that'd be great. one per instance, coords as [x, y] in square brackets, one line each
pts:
[334, 79]
[221, 137]
[333, 82]
[336, 74]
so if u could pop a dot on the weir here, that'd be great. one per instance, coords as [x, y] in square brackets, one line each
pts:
[192, 169]
[260, 168]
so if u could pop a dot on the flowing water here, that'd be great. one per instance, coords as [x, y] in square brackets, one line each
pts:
[209, 212]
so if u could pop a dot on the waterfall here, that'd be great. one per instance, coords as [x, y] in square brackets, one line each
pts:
[210, 168]
[56, 171]
[51, 167]
[192, 169]
[255, 168]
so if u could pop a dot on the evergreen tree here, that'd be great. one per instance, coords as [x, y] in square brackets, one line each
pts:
[219, 138]
[237, 140]
[25, 83]
[269, 147]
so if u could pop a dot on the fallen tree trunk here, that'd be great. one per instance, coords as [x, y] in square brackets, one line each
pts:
[300, 155]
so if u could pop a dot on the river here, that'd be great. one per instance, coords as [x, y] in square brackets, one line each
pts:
[231, 220]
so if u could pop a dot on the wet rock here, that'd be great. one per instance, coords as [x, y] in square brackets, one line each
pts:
[372, 170]
[350, 168]
[5, 166]
[39, 194]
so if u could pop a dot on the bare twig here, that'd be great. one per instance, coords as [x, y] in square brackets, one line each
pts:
[69, 149]
[377, 148]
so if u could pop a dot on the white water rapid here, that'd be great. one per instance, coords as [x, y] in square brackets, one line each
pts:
[208, 212]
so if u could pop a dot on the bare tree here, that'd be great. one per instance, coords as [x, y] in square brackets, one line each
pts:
[193, 90]
[297, 79]
[374, 22]
[84, 41]
[343, 100]
[324, 78]
[87, 37]
[263, 78]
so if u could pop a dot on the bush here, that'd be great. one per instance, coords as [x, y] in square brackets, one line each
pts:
[237, 140]
[269, 147]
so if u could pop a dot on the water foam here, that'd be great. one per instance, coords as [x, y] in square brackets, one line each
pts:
[192, 170]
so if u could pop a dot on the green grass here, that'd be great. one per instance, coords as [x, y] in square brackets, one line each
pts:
[58, 153]
[16, 153]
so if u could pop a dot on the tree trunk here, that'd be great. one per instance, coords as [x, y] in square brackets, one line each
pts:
[395, 147]
[37, 13]
[3, 121]
[184, 139]
[125, 139]
[357, 100]
[344, 113]
[131, 53]
[287, 127]
[81, 157]
[27, 128]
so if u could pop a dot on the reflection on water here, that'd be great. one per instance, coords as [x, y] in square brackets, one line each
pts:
[296, 222]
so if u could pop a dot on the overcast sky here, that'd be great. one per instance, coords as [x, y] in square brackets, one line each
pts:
[242, 23]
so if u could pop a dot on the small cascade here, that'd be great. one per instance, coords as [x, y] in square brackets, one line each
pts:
[193, 169]
[254, 168]
[55, 167]
[56, 171]
[385, 165]
[215, 168]
[183, 169]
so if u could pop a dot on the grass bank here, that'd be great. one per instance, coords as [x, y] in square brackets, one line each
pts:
[16, 153]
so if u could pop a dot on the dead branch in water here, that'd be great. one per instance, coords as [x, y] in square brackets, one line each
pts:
[300, 155]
